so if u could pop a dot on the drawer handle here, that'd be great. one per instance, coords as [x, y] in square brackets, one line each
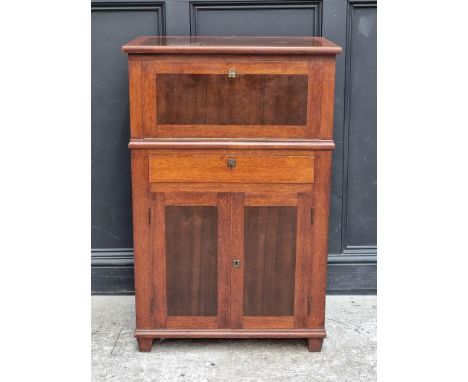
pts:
[232, 73]
[231, 163]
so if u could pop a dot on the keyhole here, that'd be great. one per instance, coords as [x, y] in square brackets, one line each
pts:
[231, 163]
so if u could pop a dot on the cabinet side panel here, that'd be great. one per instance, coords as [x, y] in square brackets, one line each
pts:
[318, 268]
[328, 100]
[134, 79]
[148, 100]
[304, 231]
[314, 104]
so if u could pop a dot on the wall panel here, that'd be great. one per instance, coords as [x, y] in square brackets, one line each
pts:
[112, 25]
[360, 151]
[285, 18]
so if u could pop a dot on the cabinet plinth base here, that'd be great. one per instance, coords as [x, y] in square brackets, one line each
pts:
[314, 336]
[145, 344]
[314, 344]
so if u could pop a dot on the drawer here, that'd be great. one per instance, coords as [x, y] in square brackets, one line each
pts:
[231, 169]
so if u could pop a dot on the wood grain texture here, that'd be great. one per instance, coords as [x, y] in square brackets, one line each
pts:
[284, 100]
[318, 265]
[181, 99]
[266, 198]
[148, 99]
[250, 190]
[314, 344]
[230, 333]
[230, 131]
[314, 104]
[328, 101]
[270, 252]
[271, 101]
[232, 57]
[222, 67]
[181, 198]
[191, 260]
[192, 322]
[213, 169]
[269, 210]
[143, 259]
[224, 260]
[134, 79]
[303, 258]
[158, 258]
[231, 44]
[145, 344]
[289, 146]
[237, 253]
[268, 322]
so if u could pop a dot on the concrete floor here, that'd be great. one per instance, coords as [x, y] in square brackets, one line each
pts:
[348, 353]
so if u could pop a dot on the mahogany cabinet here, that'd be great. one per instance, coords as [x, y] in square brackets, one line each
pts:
[231, 142]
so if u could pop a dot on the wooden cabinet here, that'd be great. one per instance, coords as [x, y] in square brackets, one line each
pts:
[231, 143]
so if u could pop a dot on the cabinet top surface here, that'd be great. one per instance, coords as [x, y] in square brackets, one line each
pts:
[231, 45]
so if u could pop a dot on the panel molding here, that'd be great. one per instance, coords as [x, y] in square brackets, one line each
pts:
[110, 257]
[347, 249]
[196, 7]
[158, 7]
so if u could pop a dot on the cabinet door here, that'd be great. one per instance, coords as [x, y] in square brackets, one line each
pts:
[187, 232]
[276, 99]
[271, 260]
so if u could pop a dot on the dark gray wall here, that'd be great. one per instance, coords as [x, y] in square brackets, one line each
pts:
[351, 24]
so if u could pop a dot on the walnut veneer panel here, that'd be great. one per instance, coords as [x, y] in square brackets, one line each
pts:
[191, 260]
[270, 258]
[220, 100]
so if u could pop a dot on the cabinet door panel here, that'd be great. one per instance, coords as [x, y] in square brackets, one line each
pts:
[275, 255]
[269, 258]
[197, 238]
[188, 258]
[191, 260]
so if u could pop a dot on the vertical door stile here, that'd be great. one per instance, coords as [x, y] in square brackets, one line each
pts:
[224, 270]
[237, 248]
[158, 245]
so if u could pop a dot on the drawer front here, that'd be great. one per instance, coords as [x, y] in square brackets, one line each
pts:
[229, 99]
[231, 169]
